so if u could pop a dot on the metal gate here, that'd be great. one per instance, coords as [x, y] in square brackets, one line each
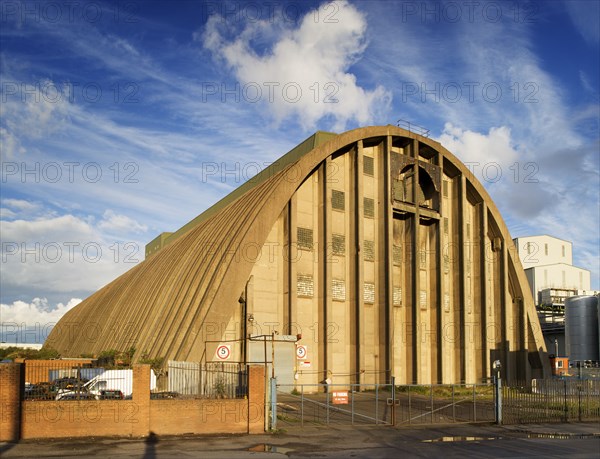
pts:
[324, 404]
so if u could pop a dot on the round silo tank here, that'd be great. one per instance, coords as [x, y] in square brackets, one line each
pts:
[581, 328]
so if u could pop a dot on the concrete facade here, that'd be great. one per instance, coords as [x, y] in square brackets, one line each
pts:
[377, 246]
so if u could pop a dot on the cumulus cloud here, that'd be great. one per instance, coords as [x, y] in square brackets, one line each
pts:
[551, 193]
[31, 321]
[62, 254]
[305, 72]
[112, 222]
[495, 147]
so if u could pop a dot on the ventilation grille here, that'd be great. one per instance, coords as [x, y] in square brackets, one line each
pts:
[423, 299]
[338, 290]
[369, 293]
[339, 244]
[305, 286]
[368, 165]
[397, 255]
[369, 205]
[338, 200]
[369, 250]
[397, 296]
[305, 238]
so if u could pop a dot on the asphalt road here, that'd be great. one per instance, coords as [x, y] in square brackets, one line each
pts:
[372, 442]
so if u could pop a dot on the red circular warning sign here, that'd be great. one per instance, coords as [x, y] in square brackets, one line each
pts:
[223, 352]
[301, 352]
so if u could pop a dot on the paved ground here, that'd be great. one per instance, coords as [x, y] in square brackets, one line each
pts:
[455, 441]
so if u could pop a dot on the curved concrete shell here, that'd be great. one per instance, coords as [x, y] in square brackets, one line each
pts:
[377, 245]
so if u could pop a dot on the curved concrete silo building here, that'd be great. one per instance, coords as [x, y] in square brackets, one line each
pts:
[377, 245]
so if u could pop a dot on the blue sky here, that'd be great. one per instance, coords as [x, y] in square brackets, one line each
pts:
[121, 120]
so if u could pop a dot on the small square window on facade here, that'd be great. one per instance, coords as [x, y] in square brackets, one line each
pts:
[369, 250]
[305, 238]
[338, 290]
[339, 244]
[445, 188]
[338, 200]
[305, 286]
[368, 165]
[369, 293]
[369, 205]
[397, 296]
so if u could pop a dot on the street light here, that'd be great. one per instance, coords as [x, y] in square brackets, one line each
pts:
[498, 388]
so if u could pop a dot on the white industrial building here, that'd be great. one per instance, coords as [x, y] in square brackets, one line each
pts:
[548, 264]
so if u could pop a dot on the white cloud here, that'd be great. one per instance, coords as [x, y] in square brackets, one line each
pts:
[37, 311]
[483, 150]
[6, 213]
[31, 322]
[62, 254]
[307, 67]
[10, 145]
[20, 204]
[113, 222]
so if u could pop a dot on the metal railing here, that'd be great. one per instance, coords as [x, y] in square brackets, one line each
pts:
[207, 379]
[551, 400]
[412, 127]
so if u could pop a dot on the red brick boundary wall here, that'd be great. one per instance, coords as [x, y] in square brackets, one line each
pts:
[11, 375]
[138, 417]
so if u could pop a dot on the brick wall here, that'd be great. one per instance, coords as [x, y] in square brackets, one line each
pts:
[10, 401]
[49, 419]
[130, 418]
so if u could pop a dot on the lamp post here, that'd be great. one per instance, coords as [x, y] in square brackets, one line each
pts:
[498, 389]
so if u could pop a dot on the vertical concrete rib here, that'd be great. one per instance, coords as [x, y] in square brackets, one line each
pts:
[416, 260]
[440, 277]
[462, 202]
[485, 299]
[356, 255]
[324, 231]
[385, 262]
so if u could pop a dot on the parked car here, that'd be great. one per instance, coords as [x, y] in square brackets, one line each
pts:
[75, 396]
[40, 391]
[69, 383]
[111, 395]
[163, 395]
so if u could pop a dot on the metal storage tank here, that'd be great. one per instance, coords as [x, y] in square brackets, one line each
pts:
[581, 328]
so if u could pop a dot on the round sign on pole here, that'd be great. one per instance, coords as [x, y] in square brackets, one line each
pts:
[224, 352]
[301, 352]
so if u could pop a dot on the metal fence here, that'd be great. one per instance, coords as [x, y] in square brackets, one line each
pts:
[444, 403]
[208, 379]
[63, 380]
[324, 404]
[551, 400]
